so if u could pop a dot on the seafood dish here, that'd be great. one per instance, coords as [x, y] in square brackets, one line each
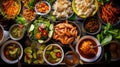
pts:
[65, 32]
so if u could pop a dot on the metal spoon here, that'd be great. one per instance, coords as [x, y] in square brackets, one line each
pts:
[96, 46]
[19, 63]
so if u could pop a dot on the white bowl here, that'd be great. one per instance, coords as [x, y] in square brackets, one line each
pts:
[98, 52]
[39, 13]
[5, 35]
[47, 60]
[23, 31]
[2, 52]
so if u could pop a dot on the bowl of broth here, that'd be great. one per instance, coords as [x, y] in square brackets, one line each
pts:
[86, 53]
[10, 52]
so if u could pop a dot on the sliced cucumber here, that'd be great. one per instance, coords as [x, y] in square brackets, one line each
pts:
[53, 55]
[50, 33]
[13, 51]
[50, 47]
[56, 50]
[31, 28]
[51, 27]
[28, 50]
[40, 41]
[35, 55]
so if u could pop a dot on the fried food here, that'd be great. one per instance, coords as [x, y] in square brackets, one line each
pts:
[65, 32]
[29, 14]
[11, 7]
[109, 14]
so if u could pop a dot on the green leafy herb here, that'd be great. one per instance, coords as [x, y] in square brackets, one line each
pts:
[103, 1]
[31, 4]
[106, 40]
[50, 1]
[72, 17]
[107, 34]
[21, 20]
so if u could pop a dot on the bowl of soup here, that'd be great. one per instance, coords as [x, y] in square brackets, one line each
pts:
[86, 53]
[10, 52]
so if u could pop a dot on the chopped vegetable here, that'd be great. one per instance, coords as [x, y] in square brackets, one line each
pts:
[38, 35]
[31, 28]
[33, 54]
[40, 30]
[53, 54]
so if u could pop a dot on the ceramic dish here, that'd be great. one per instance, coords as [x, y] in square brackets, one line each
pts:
[53, 54]
[83, 16]
[10, 55]
[85, 52]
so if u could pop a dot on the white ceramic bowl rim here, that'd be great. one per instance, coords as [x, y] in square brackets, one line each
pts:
[98, 53]
[43, 13]
[47, 60]
[3, 32]
[12, 36]
[2, 52]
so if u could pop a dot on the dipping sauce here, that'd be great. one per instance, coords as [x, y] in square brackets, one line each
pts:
[115, 50]
[1, 33]
[91, 25]
[85, 49]
[71, 58]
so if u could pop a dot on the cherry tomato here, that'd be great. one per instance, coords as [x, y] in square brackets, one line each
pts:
[44, 33]
[40, 29]
[38, 35]
[58, 54]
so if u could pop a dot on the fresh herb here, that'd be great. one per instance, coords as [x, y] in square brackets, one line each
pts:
[31, 3]
[21, 20]
[102, 2]
[50, 1]
[107, 34]
[72, 17]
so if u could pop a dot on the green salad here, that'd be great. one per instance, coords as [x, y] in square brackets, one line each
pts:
[41, 30]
